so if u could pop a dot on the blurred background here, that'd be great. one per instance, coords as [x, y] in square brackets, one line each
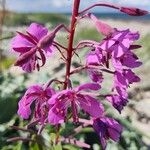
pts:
[16, 15]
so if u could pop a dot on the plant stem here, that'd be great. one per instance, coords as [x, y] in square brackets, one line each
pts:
[79, 69]
[100, 4]
[70, 43]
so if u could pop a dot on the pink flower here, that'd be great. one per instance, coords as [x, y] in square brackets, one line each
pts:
[74, 98]
[95, 58]
[119, 42]
[32, 46]
[128, 60]
[117, 101]
[40, 97]
[95, 75]
[124, 78]
[107, 128]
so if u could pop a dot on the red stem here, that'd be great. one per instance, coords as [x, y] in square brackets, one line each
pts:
[56, 43]
[79, 69]
[71, 37]
[60, 27]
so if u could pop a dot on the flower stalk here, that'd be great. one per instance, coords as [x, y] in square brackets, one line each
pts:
[75, 14]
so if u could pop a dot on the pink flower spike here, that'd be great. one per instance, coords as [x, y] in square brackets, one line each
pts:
[133, 11]
[101, 27]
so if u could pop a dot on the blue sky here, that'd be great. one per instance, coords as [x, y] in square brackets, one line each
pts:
[65, 5]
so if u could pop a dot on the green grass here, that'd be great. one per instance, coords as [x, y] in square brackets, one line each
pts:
[18, 19]
[145, 51]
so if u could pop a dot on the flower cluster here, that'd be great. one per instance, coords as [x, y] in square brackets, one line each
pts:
[114, 55]
[117, 49]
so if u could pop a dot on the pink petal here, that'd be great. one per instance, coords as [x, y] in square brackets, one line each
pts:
[49, 50]
[54, 118]
[54, 98]
[37, 30]
[131, 61]
[88, 86]
[95, 76]
[27, 37]
[24, 58]
[20, 44]
[92, 59]
[114, 129]
[93, 107]
[24, 107]
[29, 66]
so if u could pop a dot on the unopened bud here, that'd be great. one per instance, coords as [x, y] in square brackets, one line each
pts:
[101, 27]
[47, 40]
[133, 11]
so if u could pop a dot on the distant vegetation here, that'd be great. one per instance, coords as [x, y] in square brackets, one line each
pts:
[18, 19]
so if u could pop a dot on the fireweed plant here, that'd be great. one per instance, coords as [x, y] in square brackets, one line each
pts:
[113, 55]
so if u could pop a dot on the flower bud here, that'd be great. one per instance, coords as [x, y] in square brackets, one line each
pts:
[47, 40]
[133, 11]
[101, 27]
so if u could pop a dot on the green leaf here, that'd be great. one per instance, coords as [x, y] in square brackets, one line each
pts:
[53, 137]
[70, 147]
[8, 107]
[58, 147]
[34, 147]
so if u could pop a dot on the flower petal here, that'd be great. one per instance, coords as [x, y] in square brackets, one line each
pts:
[20, 44]
[56, 96]
[114, 129]
[117, 101]
[93, 107]
[54, 118]
[24, 58]
[88, 86]
[24, 107]
[107, 128]
[37, 30]
[95, 75]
